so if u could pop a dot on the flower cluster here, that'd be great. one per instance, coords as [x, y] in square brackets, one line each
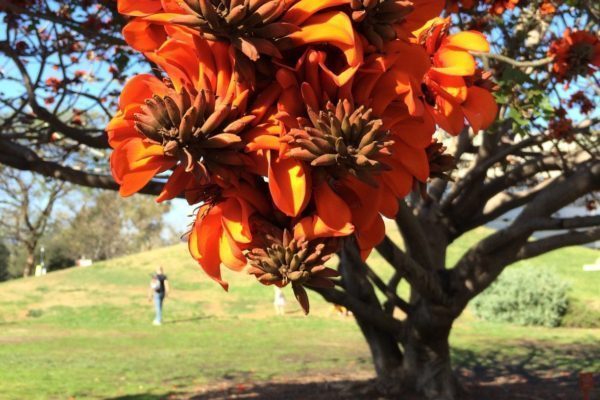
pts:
[575, 54]
[292, 123]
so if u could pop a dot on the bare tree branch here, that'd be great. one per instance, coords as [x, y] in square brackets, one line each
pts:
[478, 268]
[572, 238]
[513, 62]
[426, 282]
[22, 158]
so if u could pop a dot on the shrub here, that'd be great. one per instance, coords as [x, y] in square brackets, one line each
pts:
[524, 296]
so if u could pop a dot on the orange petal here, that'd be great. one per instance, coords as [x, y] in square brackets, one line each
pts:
[264, 100]
[468, 40]
[144, 36]
[399, 180]
[480, 108]
[134, 181]
[334, 216]
[304, 9]
[136, 154]
[235, 219]
[415, 131]
[263, 137]
[254, 197]
[291, 103]
[423, 11]
[176, 184]
[139, 88]
[137, 8]
[204, 241]
[413, 58]
[414, 160]
[452, 86]
[289, 184]
[449, 116]
[453, 62]
[220, 52]
[394, 84]
[388, 204]
[179, 60]
[363, 202]
[331, 27]
[120, 130]
[370, 236]
[230, 253]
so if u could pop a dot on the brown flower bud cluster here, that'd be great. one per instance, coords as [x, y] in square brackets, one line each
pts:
[199, 130]
[377, 18]
[343, 140]
[294, 261]
[440, 163]
[251, 26]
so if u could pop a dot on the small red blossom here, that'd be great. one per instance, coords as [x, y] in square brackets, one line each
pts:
[561, 129]
[54, 83]
[547, 8]
[575, 54]
[580, 99]
[499, 6]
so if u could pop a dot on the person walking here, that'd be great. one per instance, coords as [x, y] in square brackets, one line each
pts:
[159, 288]
[279, 301]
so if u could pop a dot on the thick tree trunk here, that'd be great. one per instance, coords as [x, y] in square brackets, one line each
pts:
[427, 366]
[29, 264]
[424, 366]
[387, 357]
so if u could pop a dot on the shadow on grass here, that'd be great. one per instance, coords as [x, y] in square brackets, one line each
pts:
[178, 321]
[144, 397]
[544, 389]
[526, 372]
[529, 362]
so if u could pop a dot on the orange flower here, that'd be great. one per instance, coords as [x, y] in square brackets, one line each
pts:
[253, 28]
[390, 84]
[575, 54]
[191, 123]
[293, 123]
[423, 12]
[449, 88]
[222, 229]
[547, 8]
[346, 179]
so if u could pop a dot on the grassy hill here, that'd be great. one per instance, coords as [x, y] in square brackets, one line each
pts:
[87, 333]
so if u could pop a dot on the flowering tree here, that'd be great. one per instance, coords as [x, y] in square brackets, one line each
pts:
[297, 126]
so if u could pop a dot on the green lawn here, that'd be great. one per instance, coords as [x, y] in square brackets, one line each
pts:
[86, 332]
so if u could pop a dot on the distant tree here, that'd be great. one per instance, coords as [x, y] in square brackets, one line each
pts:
[26, 205]
[4, 261]
[105, 226]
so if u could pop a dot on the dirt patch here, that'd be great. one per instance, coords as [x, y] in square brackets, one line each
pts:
[361, 386]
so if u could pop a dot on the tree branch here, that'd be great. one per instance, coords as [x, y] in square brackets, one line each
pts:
[389, 292]
[414, 236]
[572, 238]
[22, 158]
[99, 142]
[426, 282]
[361, 310]
[513, 62]
[481, 264]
